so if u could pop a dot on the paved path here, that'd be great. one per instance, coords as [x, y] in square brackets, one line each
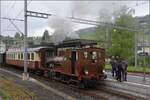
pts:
[134, 78]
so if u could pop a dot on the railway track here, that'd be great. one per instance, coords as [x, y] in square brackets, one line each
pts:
[79, 94]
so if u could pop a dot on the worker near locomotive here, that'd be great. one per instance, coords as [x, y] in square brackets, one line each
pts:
[119, 68]
[77, 62]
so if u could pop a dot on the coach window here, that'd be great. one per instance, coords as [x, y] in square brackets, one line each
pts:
[32, 56]
[21, 55]
[28, 56]
[61, 53]
[8, 56]
[85, 55]
[14, 56]
[93, 55]
[18, 55]
[11, 56]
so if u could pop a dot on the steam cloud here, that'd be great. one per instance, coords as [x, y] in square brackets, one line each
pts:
[92, 10]
[96, 10]
[61, 26]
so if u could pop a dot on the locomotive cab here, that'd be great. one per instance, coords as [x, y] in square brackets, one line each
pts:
[92, 64]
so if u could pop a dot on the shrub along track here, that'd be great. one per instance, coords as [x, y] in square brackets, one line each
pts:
[80, 94]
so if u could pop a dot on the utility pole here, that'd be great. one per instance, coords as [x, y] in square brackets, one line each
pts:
[25, 74]
[144, 56]
[107, 37]
[0, 22]
[0, 28]
[135, 50]
[26, 15]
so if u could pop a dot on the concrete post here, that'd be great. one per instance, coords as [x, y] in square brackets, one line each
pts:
[25, 74]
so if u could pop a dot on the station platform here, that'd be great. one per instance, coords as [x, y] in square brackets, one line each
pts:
[137, 78]
[135, 86]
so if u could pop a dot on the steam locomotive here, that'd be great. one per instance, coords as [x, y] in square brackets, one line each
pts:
[78, 62]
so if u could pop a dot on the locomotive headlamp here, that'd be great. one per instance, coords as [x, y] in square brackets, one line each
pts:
[86, 72]
[104, 71]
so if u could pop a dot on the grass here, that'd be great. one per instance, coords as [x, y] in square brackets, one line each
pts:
[3, 95]
[132, 68]
[9, 90]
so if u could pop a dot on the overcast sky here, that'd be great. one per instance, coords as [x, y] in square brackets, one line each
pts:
[85, 10]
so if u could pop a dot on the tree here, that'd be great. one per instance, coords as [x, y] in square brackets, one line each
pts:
[123, 39]
[119, 42]
[101, 36]
[46, 37]
[17, 35]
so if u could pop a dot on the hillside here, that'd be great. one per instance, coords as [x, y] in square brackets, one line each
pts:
[87, 33]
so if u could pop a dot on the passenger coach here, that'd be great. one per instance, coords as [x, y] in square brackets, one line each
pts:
[37, 57]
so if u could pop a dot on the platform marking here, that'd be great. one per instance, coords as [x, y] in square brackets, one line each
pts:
[42, 85]
[147, 86]
[147, 78]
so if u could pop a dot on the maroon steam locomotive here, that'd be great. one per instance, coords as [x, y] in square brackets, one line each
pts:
[78, 62]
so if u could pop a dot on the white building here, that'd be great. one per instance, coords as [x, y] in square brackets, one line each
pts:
[2, 47]
[144, 48]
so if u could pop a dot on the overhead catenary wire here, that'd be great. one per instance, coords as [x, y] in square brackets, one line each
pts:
[21, 11]
[11, 7]
[83, 21]
[14, 19]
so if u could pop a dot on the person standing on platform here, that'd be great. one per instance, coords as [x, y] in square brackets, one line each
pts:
[113, 65]
[119, 70]
[124, 70]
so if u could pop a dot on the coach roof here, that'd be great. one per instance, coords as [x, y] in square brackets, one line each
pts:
[36, 49]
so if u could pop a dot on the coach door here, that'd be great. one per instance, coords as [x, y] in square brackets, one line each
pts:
[73, 61]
